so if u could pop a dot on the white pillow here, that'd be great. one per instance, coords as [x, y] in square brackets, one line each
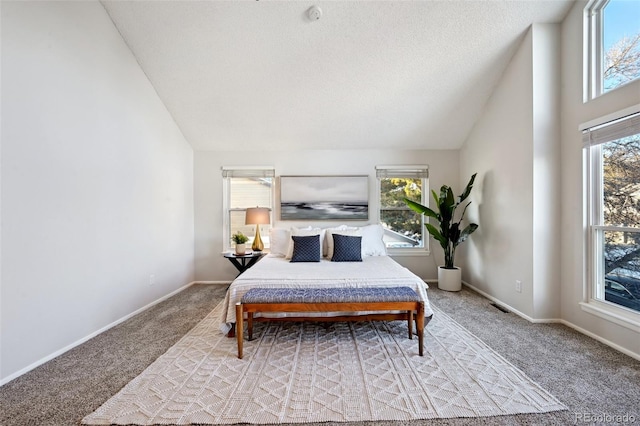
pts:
[332, 231]
[303, 232]
[279, 241]
[372, 243]
[329, 239]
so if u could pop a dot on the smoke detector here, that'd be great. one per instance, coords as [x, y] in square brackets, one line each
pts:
[314, 13]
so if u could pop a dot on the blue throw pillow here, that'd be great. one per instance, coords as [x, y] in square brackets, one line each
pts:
[347, 248]
[306, 249]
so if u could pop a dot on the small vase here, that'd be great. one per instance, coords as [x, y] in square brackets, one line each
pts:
[449, 279]
[241, 249]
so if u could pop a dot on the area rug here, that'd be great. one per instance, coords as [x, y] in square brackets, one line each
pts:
[318, 372]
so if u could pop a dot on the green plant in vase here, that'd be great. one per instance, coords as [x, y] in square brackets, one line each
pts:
[448, 232]
[240, 239]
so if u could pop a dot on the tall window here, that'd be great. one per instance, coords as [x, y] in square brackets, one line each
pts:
[612, 154]
[243, 188]
[613, 44]
[404, 228]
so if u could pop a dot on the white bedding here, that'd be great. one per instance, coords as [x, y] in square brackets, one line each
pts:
[271, 271]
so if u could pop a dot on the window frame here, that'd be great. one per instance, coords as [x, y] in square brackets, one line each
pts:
[594, 37]
[593, 290]
[229, 172]
[405, 171]
[594, 51]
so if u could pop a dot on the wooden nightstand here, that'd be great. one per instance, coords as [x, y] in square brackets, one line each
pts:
[242, 262]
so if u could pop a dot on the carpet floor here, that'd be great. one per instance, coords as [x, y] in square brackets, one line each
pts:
[319, 372]
[596, 383]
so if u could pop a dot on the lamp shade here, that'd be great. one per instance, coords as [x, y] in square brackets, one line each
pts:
[257, 216]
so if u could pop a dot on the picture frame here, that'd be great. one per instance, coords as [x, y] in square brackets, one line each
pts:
[311, 198]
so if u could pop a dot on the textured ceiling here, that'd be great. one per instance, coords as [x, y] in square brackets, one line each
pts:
[246, 75]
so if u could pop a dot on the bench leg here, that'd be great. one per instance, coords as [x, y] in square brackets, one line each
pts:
[239, 328]
[410, 317]
[250, 325]
[420, 327]
[232, 332]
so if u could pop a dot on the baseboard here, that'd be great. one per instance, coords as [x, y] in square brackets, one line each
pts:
[557, 321]
[512, 309]
[430, 283]
[212, 282]
[90, 336]
[601, 339]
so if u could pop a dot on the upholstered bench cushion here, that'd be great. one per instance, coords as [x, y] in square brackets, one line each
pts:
[330, 295]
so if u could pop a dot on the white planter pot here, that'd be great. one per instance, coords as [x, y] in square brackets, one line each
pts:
[241, 248]
[449, 279]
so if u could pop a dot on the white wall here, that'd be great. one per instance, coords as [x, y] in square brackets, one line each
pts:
[500, 149]
[527, 148]
[211, 266]
[546, 171]
[575, 112]
[97, 182]
[515, 148]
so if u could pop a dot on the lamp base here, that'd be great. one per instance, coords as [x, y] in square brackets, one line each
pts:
[257, 245]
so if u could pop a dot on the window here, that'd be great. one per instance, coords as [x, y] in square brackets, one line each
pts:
[403, 227]
[243, 188]
[612, 157]
[613, 44]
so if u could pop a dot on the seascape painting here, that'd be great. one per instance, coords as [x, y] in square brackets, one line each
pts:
[324, 198]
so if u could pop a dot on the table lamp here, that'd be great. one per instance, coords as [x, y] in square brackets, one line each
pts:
[257, 216]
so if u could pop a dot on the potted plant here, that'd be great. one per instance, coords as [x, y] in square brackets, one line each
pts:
[240, 239]
[449, 234]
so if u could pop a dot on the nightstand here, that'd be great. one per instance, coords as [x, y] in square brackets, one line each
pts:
[242, 262]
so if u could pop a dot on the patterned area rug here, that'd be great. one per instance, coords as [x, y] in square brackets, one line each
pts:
[315, 372]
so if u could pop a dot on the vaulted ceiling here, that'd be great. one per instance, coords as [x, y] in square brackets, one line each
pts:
[262, 75]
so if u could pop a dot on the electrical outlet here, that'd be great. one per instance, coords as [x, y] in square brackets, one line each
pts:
[519, 286]
[152, 279]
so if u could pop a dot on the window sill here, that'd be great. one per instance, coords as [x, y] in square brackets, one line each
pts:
[613, 314]
[408, 252]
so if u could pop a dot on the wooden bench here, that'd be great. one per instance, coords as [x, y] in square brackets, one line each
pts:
[372, 300]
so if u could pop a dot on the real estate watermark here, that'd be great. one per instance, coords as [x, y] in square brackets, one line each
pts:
[604, 418]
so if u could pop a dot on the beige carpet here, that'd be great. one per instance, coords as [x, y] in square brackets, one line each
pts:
[296, 373]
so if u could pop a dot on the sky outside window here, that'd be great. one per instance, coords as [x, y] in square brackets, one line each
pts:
[621, 19]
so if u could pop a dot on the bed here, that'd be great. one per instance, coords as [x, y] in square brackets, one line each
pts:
[279, 272]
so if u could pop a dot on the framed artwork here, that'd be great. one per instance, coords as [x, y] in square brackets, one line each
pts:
[324, 197]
